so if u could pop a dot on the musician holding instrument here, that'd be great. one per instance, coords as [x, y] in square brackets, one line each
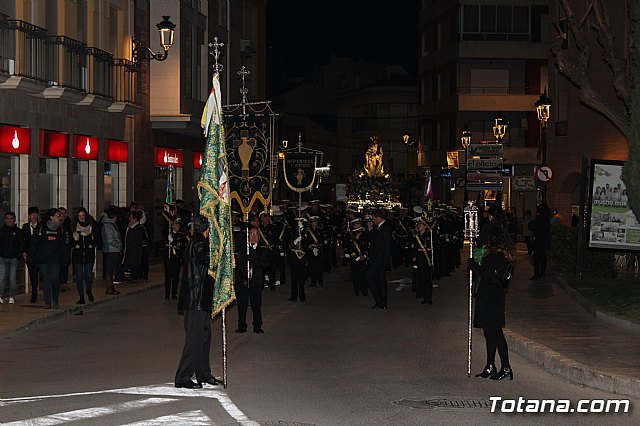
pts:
[421, 261]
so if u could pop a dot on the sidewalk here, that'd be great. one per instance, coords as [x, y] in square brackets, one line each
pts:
[23, 315]
[546, 326]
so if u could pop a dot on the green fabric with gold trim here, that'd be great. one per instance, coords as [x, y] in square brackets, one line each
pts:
[213, 190]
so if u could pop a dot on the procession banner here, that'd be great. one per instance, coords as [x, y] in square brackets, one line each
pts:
[612, 224]
[300, 170]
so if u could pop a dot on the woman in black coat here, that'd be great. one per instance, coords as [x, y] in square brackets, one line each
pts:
[490, 301]
[83, 253]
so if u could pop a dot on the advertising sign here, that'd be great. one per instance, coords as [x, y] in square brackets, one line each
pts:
[85, 147]
[484, 186]
[116, 151]
[612, 224]
[485, 150]
[484, 164]
[452, 160]
[15, 140]
[168, 157]
[523, 183]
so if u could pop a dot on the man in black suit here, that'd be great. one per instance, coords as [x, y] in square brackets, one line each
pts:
[249, 284]
[379, 252]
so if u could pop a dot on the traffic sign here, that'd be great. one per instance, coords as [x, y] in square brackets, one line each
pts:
[544, 173]
[523, 183]
[484, 186]
[484, 164]
[484, 176]
[485, 150]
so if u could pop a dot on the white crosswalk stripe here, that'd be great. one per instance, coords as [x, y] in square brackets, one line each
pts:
[192, 418]
[91, 413]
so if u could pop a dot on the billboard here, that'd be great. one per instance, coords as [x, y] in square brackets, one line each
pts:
[612, 224]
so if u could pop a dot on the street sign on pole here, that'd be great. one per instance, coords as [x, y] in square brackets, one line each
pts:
[484, 186]
[484, 176]
[544, 173]
[485, 150]
[523, 183]
[484, 164]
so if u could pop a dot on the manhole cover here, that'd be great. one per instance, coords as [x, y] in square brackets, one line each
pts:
[444, 403]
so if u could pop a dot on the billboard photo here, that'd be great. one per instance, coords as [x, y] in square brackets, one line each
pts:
[612, 224]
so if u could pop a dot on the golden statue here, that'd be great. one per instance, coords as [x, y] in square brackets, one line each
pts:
[373, 159]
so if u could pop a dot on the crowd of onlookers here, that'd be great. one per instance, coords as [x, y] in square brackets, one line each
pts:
[51, 241]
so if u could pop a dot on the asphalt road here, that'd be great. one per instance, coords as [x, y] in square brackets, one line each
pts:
[329, 361]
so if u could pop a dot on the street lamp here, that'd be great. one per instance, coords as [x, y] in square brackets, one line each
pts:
[543, 107]
[500, 125]
[166, 28]
[406, 139]
[465, 139]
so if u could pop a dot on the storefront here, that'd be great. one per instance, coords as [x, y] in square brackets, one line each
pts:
[83, 176]
[15, 148]
[116, 156]
[165, 157]
[198, 158]
[52, 179]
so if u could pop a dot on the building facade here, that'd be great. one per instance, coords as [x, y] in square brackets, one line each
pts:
[478, 58]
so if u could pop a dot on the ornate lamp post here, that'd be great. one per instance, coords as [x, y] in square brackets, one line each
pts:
[543, 107]
[500, 125]
[470, 232]
[166, 28]
[465, 139]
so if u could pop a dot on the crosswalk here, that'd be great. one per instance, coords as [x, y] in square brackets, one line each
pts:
[145, 400]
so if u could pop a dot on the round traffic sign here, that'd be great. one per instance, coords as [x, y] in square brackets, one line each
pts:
[544, 173]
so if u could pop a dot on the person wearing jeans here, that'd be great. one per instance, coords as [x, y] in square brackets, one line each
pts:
[111, 247]
[10, 248]
[83, 254]
[46, 250]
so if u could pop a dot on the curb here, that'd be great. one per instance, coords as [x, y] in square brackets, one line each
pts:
[570, 369]
[78, 308]
[593, 310]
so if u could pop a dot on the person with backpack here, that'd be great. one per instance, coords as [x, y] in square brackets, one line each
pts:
[83, 253]
[493, 271]
[47, 250]
[111, 247]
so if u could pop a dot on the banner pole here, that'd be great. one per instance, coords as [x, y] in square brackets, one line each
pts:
[224, 347]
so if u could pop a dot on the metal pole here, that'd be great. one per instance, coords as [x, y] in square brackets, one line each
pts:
[543, 135]
[469, 309]
[224, 347]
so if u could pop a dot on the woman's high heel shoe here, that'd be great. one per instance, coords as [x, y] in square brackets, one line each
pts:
[503, 374]
[489, 371]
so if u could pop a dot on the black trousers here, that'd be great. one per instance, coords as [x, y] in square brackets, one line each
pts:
[34, 276]
[359, 277]
[281, 266]
[171, 276]
[377, 280]
[315, 269]
[270, 271]
[197, 345]
[424, 283]
[298, 277]
[495, 340]
[539, 261]
[244, 296]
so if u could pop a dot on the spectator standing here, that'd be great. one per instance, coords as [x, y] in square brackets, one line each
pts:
[10, 248]
[47, 250]
[66, 255]
[28, 231]
[111, 247]
[135, 242]
[83, 254]
[379, 257]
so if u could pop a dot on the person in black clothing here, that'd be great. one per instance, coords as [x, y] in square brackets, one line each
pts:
[356, 250]
[540, 241]
[297, 260]
[28, 230]
[314, 246]
[173, 254]
[47, 250]
[421, 259]
[83, 253]
[379, 252]
[66, 255]
[490, 301]
[10, 249]
[197, 285]
[134, 246]
[249, 283]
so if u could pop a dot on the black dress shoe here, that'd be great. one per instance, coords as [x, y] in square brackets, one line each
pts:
[90, 296]
[292, 299]
[210, 381]
[374, 307]
[189, 385]
[80, 302]
[258, 330]
[489, 371]
[503, 374]
[429, 302]
[241, 330]
[533, 278]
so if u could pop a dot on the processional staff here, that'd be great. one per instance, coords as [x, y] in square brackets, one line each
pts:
[470, 232]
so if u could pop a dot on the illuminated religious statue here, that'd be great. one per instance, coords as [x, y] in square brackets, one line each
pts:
[373, 159]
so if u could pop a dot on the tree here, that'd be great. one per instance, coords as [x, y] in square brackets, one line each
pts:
[593, 21]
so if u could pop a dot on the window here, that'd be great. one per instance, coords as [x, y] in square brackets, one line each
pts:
[471, 19]
[521, 19]
[488, 19]
[504, 19]
[492, 22]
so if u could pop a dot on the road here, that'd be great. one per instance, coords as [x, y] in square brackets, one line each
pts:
[329, 361]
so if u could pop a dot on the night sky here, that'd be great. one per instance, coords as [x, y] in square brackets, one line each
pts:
[302, 34]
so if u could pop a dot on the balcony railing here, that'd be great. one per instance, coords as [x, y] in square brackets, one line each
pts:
[27, 51]
[494, 90]
[126, 81]
[100, 72]
[22, 49]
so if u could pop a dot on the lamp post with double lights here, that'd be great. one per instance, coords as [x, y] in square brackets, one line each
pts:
[500, 125]
[543, 107]
[465, 139]
[166, 28]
